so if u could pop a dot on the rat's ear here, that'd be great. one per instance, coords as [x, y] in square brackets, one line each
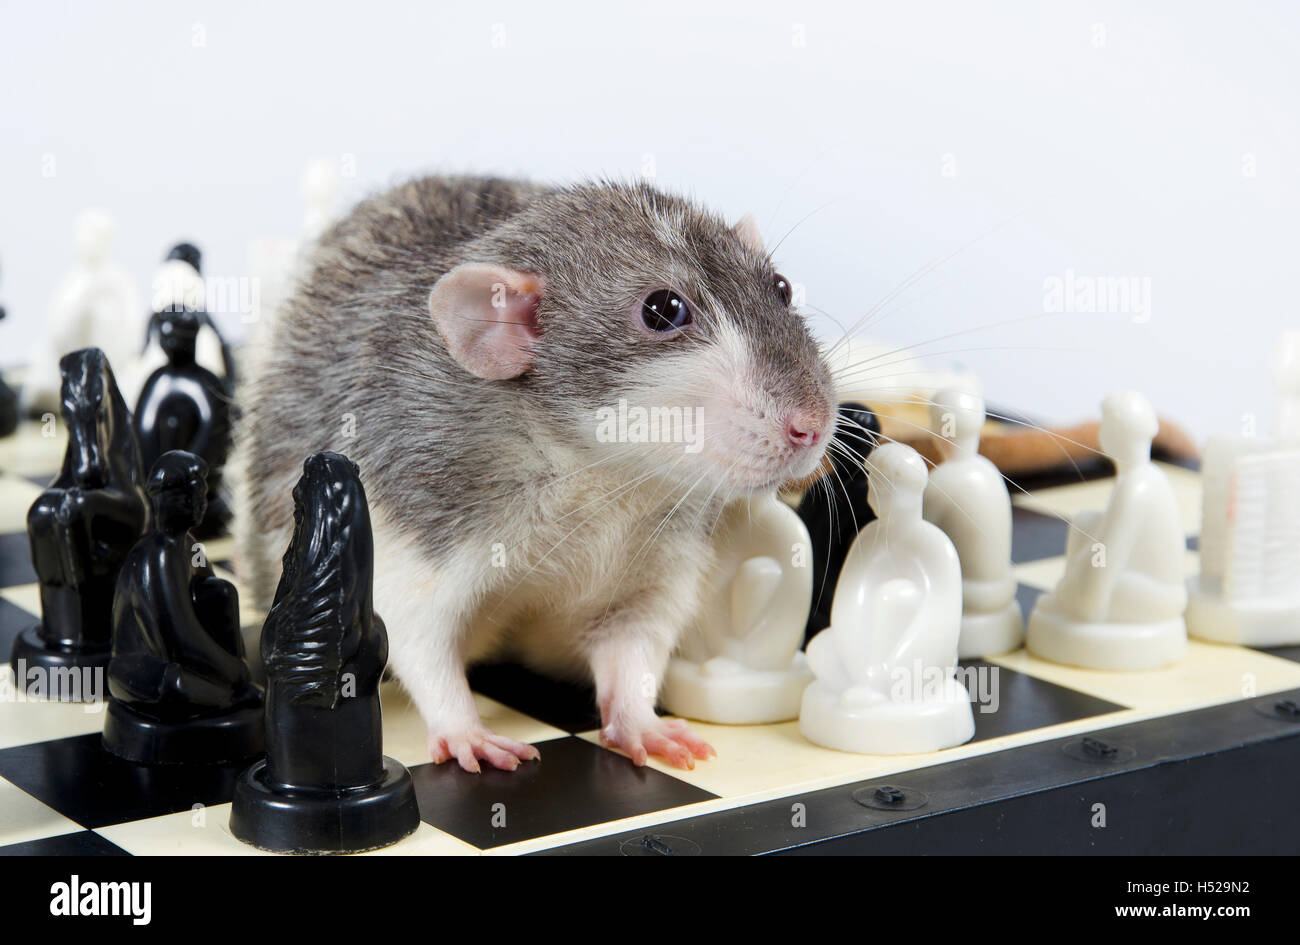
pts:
[487, 316]
[747, 230]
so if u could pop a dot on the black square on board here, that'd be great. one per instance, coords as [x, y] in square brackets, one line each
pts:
[1035, 536]
[81, 843]
[16, 560]
[1020, 702]
[1027, 596]
[13, 621]
[566, 705]
[576, 784]
[1291, 653]
[85, 783]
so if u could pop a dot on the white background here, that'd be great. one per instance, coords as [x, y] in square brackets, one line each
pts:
[1157, 141]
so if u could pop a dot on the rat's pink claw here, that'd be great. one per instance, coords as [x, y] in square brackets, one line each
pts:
[668, 739]
[468, 747]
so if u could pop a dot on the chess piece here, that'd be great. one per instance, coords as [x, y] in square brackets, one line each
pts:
[1248, 589]
[177, 286]
[277, 262]
[325, 785]
[741, 663]
[83, 525]
[967, 498]
[885, 666]
[179, 685]
[8, 402]
[184, 406]
[319, 189]
[835, 508]
[93, 306]
[1120, 603]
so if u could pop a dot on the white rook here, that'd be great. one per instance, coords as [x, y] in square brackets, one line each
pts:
[1248, 589]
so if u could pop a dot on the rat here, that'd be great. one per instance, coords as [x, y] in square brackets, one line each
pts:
[488, 352]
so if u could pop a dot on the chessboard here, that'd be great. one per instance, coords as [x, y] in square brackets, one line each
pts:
[1201, 757]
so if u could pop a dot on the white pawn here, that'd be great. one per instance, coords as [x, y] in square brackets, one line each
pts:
[885, 665]
[741, 664]
[1248, 589]
[967, 498]
[95, 305]
[1120, 604]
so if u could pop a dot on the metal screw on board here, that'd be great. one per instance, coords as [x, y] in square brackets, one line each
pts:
[656, 845]
[1096, 751]
[890, 797]
[887, 794]
[1099, 749]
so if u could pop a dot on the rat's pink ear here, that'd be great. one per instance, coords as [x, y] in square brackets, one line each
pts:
[747, 230]
[487, 316]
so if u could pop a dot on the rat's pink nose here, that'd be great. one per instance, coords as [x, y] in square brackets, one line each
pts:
[803, 430]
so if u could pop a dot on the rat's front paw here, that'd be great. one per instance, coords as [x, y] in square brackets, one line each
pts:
[668, 739]
[468, 746]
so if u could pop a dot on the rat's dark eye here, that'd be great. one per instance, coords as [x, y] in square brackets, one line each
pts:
[783, 289]
[665, 310]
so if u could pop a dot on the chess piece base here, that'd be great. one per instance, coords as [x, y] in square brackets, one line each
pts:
[351, 821]
[1110, 646]
[31, 651]
[233, 736]
[1247, 623]
[729, 693]
[989, 634]
[886, 727]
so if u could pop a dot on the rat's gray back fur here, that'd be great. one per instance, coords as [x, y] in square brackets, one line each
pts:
[356, 365]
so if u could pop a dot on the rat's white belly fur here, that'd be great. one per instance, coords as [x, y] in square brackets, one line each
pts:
[539, 588]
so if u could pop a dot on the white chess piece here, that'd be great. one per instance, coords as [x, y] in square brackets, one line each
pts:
[967, 497]
[277, 262]
[885, 666]
[1248, 588]
[1286, 375]
[95, 305]
[741, 664]
[1120, 604]
[320, 191]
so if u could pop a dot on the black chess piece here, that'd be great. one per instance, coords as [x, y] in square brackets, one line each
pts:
[836, 509]
[179, 686]
[80, 530]
[189, 254]
[325, 785]
[184, 406]
[8, 402]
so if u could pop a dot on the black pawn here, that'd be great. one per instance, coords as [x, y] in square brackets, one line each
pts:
[325, 785]
[836, 509]
[184, 406]
[80, 530]
[178, 683]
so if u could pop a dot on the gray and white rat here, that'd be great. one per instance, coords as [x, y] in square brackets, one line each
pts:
[466, 341]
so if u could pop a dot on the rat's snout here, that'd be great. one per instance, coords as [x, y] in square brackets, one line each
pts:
[805, 428]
